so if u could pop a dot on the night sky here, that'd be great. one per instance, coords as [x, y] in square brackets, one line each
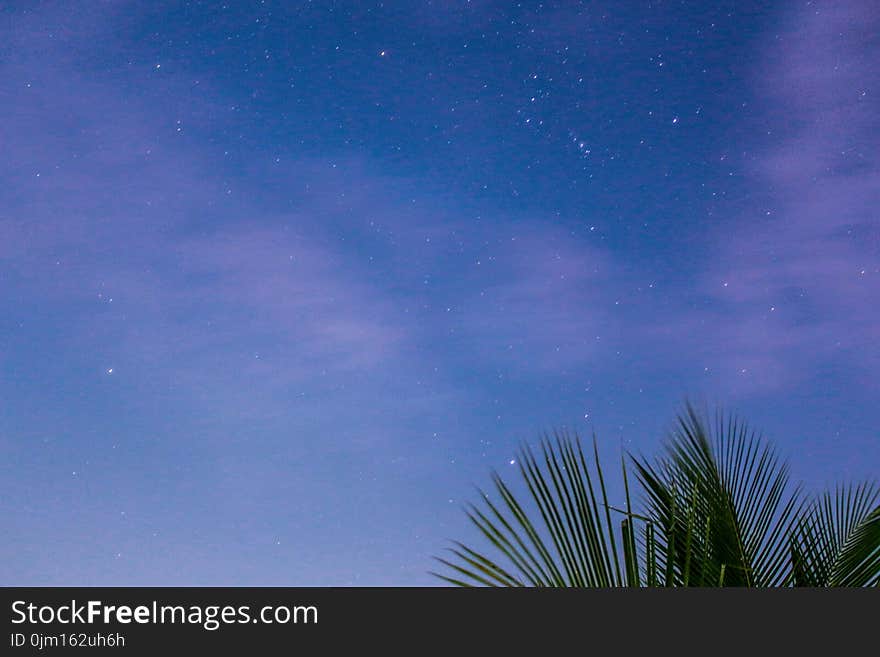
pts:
[281, 282]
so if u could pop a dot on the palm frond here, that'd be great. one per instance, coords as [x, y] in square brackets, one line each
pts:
[720, 499]
[570, 542]
[837, 539]
[717, 509]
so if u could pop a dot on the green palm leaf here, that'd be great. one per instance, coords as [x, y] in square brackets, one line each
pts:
[718, 510]
[721, 502]
[837, 539]
[570, 542]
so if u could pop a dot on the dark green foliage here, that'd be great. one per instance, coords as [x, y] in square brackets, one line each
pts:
[718, 510]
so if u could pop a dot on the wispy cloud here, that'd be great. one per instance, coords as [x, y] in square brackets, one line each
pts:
[793, 284]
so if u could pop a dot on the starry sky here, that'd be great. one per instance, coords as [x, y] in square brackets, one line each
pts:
[281, 282]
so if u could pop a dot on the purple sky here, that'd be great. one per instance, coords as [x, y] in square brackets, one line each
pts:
[280, 283]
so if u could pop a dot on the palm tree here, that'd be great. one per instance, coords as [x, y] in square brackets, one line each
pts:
[717, 509]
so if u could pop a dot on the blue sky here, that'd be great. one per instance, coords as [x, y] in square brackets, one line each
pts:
[281, 282]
